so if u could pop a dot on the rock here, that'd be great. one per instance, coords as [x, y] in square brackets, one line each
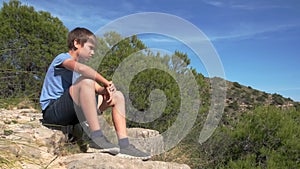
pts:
[147, 140]
[31, 144]
[26, 143]
[104, 161]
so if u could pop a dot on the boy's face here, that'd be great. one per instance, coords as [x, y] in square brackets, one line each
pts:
[86, 51]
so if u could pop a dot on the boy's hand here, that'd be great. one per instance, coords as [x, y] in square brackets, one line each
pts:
[110, 90]
[111, 87]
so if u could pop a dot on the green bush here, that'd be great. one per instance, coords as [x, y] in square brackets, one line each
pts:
[237, 85]
[268, 137]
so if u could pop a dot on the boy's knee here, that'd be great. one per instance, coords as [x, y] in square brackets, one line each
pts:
[87, 82]
[118, 95]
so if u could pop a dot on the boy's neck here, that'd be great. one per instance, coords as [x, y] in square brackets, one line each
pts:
[73, 54]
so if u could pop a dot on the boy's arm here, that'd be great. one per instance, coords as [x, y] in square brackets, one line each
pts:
[85, 71]
[90, 73]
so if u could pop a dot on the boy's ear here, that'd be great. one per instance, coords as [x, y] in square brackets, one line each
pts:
[76, 43]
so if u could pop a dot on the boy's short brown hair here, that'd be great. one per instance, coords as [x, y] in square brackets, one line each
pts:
[81, 35]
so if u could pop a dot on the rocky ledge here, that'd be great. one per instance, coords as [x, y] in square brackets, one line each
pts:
[26, 143]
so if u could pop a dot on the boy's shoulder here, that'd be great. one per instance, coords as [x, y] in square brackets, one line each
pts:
[63, 55]
[60, 58]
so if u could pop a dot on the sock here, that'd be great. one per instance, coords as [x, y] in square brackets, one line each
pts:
[124, 142]
[97, 133]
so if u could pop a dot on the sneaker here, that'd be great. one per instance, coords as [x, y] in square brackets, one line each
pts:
[102, 145]
[131, 152]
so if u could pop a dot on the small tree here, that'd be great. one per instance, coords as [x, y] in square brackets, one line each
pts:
[28, 42]
[237, 85]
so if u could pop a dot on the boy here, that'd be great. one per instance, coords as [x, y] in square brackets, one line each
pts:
[61, 98]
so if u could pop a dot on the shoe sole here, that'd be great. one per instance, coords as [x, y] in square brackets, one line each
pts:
[112, 151]
[133, 157]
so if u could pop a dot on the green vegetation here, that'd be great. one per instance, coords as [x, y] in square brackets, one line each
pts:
[257, 130]
[266, 137]
[28, 42]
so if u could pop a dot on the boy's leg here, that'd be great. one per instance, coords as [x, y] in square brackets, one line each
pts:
[118, 112]
[119, 119]
[83, 94]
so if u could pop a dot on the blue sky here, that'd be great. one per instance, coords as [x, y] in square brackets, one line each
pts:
[257, 41]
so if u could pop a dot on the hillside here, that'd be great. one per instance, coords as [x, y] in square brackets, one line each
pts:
[255, 126]
[242, 98]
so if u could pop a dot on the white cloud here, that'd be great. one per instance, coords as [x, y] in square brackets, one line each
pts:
[253, 31]
[246, 5]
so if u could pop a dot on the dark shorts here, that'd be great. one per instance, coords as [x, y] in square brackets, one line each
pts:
[63, 111]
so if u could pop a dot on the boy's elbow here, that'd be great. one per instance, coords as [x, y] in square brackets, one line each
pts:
[86, 71]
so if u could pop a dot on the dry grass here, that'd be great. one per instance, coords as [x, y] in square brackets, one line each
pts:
[20, 103]
[11, 156]
[182, 154]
